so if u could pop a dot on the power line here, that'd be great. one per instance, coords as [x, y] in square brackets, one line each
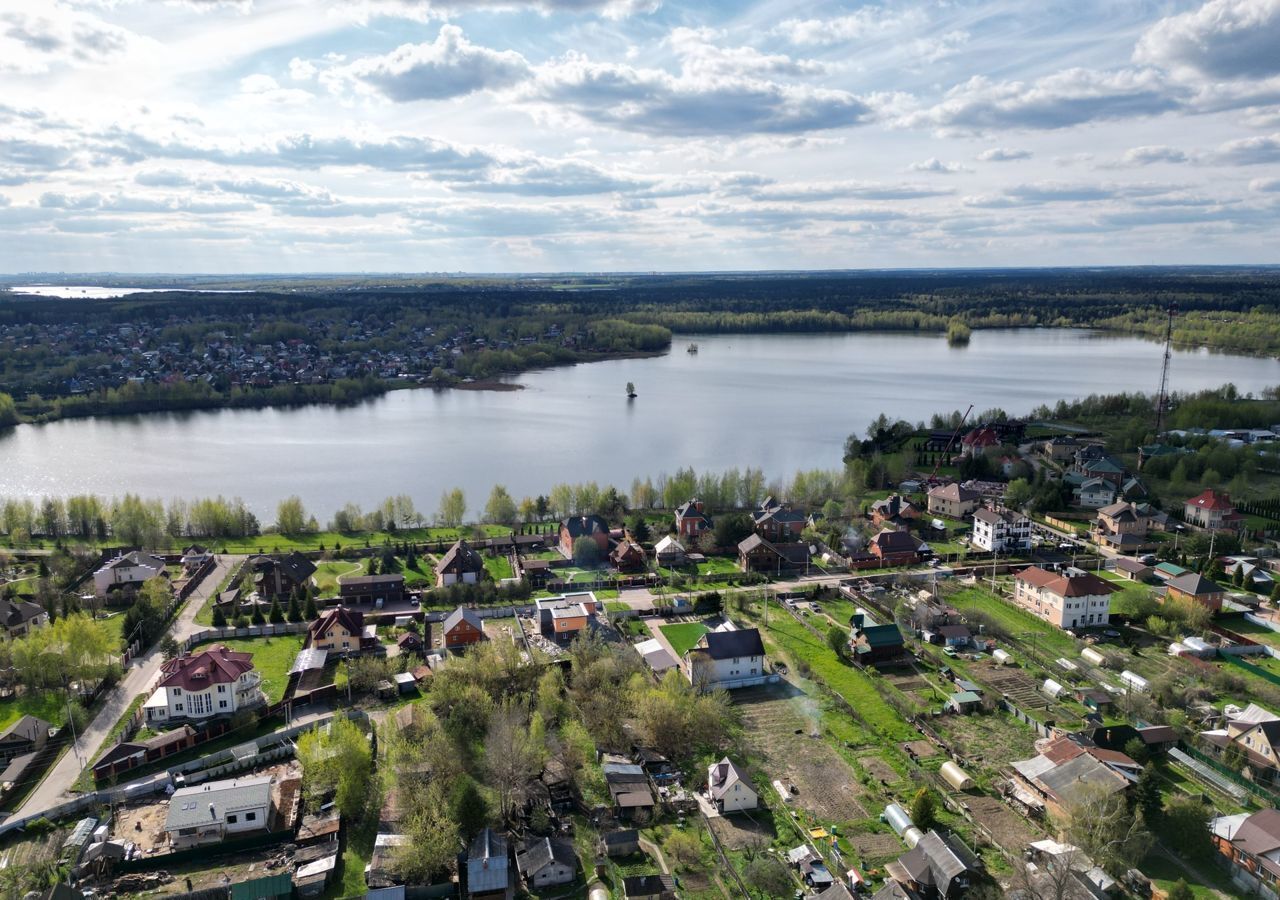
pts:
[1162, 396]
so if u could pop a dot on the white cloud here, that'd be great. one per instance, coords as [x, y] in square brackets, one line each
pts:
[1254, 151]
[38, 37]
[937, 167]
[450, 66]
[1222, 39]
[700, 56]
[866, 22]
[1003, 154]
[1145, 156]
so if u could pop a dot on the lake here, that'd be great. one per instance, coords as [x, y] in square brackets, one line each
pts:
[97, 292]
[779, 402]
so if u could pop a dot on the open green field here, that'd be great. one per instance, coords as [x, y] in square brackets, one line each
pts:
[328, 573]
[498, 567]
[718, 565]
[272, 657]
[683, 635]
[1017, 622]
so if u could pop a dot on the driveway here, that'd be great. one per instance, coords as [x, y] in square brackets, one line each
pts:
[56, 786]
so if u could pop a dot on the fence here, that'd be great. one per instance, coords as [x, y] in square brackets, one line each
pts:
[1040, 728]
[1252, 669]
[251, 631]
[1271, 798]
[188, 854]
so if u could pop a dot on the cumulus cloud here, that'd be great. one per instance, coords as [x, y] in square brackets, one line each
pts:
[655, 102]
[937, 167]
[1252, 151]
[837, 190]
[1266, 185]
[936, 49]
[1221, 39]
[41, 36]
[701, 57]
[450, 66]
[1067, 98]
[428, 9]
[1003, 154]
[551, 178]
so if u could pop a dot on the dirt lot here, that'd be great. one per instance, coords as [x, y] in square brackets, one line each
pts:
[908, 683]
[992, 740]
[1006, 827]
[828, 785]
[922, 749]
[738, 832]
[1021, 688]
[876, 848]
[878, 768]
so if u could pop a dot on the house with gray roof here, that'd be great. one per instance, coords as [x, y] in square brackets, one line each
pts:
[547, 861]
[211, 812]
[489, 868]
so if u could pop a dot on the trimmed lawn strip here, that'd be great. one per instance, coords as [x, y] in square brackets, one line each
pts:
[684, 635]
[1014, 620]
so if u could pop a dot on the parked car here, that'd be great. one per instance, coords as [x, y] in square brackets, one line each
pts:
[950, 651]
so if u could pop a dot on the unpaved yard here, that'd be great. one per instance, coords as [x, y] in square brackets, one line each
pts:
[993, 740]
[1006, 827]
[779, 720]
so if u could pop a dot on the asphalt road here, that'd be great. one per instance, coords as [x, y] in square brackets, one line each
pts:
[56, 786]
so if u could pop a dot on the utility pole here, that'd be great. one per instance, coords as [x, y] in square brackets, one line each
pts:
[1162, 396]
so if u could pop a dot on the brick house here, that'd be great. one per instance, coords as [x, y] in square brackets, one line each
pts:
[895, 548]
[1196, 588]
[755, 554]
[462, 628]
[692, 519]
[777, 522]
[575, 527]
[1249, 844]
[628, 556]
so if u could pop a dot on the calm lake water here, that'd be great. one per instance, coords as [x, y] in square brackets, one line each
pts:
[97, 292]
[782, 403]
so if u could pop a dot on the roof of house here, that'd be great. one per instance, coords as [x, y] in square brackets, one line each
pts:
[1124, 564]
[461, 558]
[460, 615]
[1194, 584]
[487, 868]
[668, 545]
[689, 510]
[1260, 833]
[882, 635]
[584, 526]
[947, 857]
[350, 619]
[1086, 584]
[296, 566]
[981, 437]
[1211, 499]
[1123, 511]
[644, 885]
[614, 838]
[215, 800]
[26, 729]
[781, 513]
[135, 558]
[216, 665]
[954, 631]
[955, 492]
[538, 853]
[730, 644]
[370, 580]
[891, 541]
[1157, 734]
[16, 613]
[722, 776]
[997, 516]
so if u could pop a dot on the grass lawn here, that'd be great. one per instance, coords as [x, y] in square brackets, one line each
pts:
[683, 635]
[115, 626]
[272, 657]
[718, 565]
[616, 606]
[1014, 620]
[328, 573]
[498, 567]
[48, 705]
[1165, 873]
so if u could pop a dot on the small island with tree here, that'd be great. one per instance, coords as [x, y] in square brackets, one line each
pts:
[631, 390]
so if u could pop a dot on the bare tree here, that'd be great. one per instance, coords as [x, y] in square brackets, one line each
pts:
[510, 757]
[1053, 878]
[1101, 825]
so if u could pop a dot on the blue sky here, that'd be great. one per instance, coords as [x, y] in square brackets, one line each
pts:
[538, 135]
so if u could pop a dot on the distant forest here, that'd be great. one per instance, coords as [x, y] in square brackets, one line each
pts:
[347, 334]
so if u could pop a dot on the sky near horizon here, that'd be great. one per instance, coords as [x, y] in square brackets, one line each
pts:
[538, 135]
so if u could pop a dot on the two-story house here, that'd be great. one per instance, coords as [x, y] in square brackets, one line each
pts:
[208, 813]
[575, 527]
[1213, 511]
[724, 660]
[339, 630]
[279, 577]
[692, 518]
[1249, 843]
[1122, 526]
[1001, 531]
[1253, 731]
[194, 557]
[1067, 601]
[1195, 588]
[953, 500]
[460, 565]
[19, 617]
[778, 522]
[565, 617]
[129, 569]
[214, 682]
[462, 628]
[729, 787]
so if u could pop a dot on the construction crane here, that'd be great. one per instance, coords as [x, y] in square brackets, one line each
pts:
[1162, 396]
[933, 476]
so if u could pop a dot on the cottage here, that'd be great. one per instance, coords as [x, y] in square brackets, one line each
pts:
[208, 813]
[692, 519]
[619, 844]
[280, 577]
[488, 867]
[628, 556]
[129, 569]
[896, 548]
[340, 630]
[756, 554]
[1061, 449]
[669, 552]
[1249, 844]
[409, 642]
[195, 557]
[1094, 492]
[19, 617]
[1134, 570]
[27, 735]
[649, 887]
[953, 501]
[213, 682]
[1196, 589]
[980, 441]
[1213, 511]
[894, 510]
[938, 866]
[1122, 526]
[723, 660]
[459, 565]
[462, 628]
[1069, 768]
[565, 617]
[378, 590]
[1001, 531]
[1066, 601]
[875, 644]
[729, 788]
[575, 527]
[776, 521]
[1254, 731]
[544, 862]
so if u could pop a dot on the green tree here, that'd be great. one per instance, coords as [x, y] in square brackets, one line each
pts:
[731, 529]
[258, 618]
[453, 508]
[295, 611]
[8, 411]
[1185, 826]
[219, 617]
[276, 616]
[837, 640]
[1137, 750]
[924, 809]
[1180, 890]
[433, 838]
[337, 760]
[1018, 494]
[467, 807]
[501, 509]
[309, 612]
[639, 527]
[1146, 796]
[586, 552]
[291, 515]
[1275, 594]
[769, 876]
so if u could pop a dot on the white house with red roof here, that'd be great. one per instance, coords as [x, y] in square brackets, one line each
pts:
[980, 440]
[1067, 601]
[1213, 510]
[214, 682]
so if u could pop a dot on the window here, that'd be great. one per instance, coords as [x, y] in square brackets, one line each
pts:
[222, 704]
[231, 820]
[177, 692]
[178, 707]
[222, 689]
[250, 816]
